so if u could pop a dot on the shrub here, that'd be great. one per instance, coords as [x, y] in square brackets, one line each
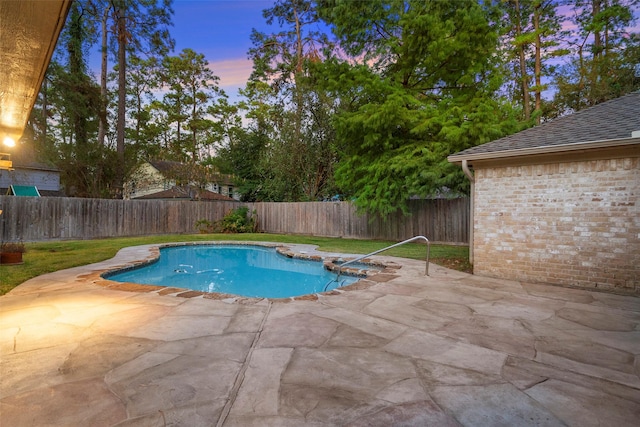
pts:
[237, 221]
[204, 226]
[12, 247]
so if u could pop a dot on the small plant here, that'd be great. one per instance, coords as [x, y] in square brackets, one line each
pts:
[11, 253]
[12, 247]
[237, 221]
[204, 226]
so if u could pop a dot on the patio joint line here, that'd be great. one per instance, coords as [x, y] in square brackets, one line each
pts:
[15, 339]
[245, 365]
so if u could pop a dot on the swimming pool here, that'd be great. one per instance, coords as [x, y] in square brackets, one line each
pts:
[243, 270]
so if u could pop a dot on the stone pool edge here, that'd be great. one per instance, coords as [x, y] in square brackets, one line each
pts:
[331, 261]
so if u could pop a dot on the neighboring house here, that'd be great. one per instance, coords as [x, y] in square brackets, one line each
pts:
[30, 173]
[559, 203]
[187, 192]
[155, 176]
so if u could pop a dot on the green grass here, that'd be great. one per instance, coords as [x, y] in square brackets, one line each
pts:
[46, 257]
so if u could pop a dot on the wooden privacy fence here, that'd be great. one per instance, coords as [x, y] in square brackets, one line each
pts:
[45, 218]
[440, 220]
[56, 218]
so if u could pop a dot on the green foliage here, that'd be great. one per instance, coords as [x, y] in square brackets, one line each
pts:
[140, 25]
[143, 80]
[371, 115]
[191, 87]
[204, 226]
[605, 54]
[596, 80]
[426, 88]
[64, 121]
[237, 221]
[532, 43]
[12, 247]
[293, 140]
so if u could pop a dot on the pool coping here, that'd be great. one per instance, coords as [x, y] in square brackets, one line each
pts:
[331, 261]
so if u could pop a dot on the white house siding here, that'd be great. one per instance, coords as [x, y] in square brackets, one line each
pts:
[224, 189]
[43, 179]
[573, 223]
[146, 180]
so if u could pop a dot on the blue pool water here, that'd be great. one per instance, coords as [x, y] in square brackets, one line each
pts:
[250, 271]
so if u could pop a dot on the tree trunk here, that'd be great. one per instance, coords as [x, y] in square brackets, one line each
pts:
[102, 129]
[45, 111]
[299, 148]
[102, 116]
[538, 60]
[177, 148]
[193, 117]
[524, 83]
[122, 96]
[597, 36]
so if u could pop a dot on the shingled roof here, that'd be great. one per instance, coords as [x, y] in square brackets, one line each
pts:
[608, 123]
[187, 192]
[26, 157]
[186, 172]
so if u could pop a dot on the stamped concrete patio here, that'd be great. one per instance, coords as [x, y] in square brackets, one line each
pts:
[450, 349]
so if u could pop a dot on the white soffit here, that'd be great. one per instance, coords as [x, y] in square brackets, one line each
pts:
[29, 31]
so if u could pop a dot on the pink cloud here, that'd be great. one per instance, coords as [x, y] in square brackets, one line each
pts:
[233, 73]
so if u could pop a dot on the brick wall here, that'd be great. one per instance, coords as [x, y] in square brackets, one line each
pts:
[574, 223]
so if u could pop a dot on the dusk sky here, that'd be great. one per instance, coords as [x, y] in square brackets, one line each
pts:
[220, 30]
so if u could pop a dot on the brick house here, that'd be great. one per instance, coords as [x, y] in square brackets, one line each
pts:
[558, 203]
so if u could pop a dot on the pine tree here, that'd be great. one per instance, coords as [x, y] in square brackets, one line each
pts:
[140, 25]
[300, 157]
[532, 46]
[604, 54]
[191, 88]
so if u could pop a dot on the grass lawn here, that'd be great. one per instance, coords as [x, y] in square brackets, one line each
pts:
[46, 257]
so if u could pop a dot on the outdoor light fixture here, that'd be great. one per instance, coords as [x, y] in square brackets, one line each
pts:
[9, 135]
[9, 142]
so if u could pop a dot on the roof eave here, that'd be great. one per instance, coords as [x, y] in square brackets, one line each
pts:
[29, 32]
[35, 168]
[553, 149]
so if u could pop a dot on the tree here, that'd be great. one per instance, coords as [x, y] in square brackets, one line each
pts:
[140, 25]
[144, 79]
[604, 54]
[533, 44]
[420, 86]
[69, 103]
[191, 89]
[244, 149]
[104, 19]
[299, 160]
[546, 26]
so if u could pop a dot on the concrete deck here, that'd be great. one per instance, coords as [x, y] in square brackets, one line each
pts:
[450, 349]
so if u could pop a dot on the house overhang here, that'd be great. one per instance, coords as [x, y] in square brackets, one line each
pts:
[29, 31]
[610, 148]
[18, 166]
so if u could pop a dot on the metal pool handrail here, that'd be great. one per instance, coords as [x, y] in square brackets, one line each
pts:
[426, 270]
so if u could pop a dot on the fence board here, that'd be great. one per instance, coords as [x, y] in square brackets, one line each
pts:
[46, 218]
